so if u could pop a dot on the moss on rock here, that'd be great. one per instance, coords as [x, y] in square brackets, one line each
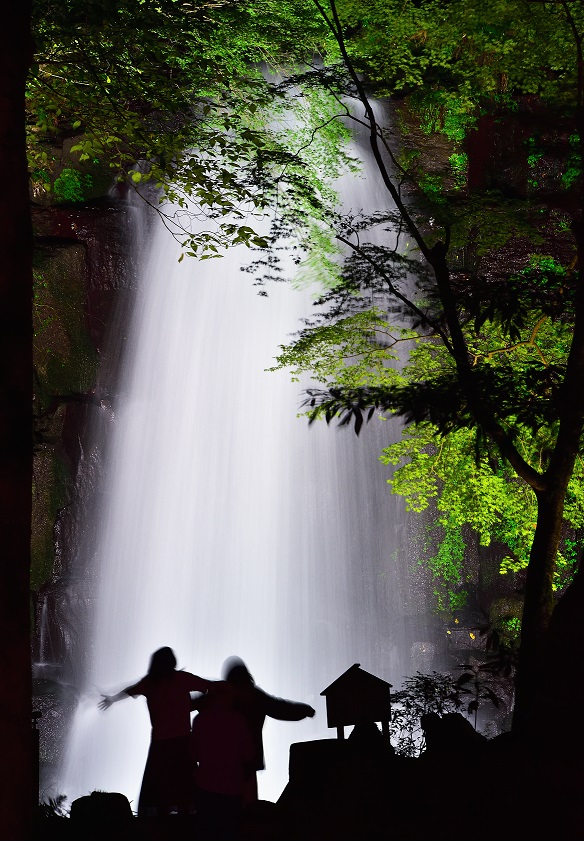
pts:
[65, 366]
[50, 486]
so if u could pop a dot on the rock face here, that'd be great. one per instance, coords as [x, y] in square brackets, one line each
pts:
[83, 267]
[100, 230]
[83, 270]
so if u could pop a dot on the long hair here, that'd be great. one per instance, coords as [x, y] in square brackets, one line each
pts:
[236, 672]
[162, 663]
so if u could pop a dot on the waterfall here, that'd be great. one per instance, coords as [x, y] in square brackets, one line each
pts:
[228, 526]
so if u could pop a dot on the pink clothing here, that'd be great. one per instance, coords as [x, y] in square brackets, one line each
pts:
[169, 702]
[223, 748]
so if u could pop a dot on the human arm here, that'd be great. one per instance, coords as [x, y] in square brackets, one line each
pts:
[194, 683]
[108, 700]
[282, 709]
[200, 684]
[203, 697]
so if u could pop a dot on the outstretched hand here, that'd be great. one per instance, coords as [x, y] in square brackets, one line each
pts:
[310, 711]
[106, 702]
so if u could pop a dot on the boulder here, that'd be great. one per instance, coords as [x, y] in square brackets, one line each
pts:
[101, 807]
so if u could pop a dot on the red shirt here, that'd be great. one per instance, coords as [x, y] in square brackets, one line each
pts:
[169, 702]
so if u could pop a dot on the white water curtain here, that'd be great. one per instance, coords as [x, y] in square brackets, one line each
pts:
[229, 527]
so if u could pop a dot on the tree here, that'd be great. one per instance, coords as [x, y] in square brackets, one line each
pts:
[167, 79]
[472, 488]
[502, 403]
[169, 95]
[16, 426]
[472, 493]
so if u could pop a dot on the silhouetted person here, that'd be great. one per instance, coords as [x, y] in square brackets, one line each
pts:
[167, 780]
[255, 705]
[223, 749]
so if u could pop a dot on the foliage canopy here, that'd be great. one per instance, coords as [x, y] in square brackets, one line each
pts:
[499, 350]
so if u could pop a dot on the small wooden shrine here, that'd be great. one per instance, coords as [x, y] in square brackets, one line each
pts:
[356, 697]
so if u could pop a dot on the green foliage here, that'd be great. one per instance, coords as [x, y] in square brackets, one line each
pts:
[455, 59]
[142, 86]
[478, 490]
[355, 350]
[466, 492]
[188, 80]
[432, 186]
[442, 459]
[573, 171]
[511, 629]
[444, 112]
[496, 333]
[535, 153]
[447, 570]
[459, 163]
[71, 185]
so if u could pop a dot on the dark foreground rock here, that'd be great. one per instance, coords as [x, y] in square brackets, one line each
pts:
[478, 789]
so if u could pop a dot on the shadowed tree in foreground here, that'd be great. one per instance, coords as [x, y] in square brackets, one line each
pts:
[470, 392]
[15, 427]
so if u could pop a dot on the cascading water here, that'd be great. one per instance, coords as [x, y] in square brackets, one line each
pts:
[229, 527]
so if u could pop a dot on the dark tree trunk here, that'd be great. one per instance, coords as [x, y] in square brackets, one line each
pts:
[15, 428]
[559, 696]
[550, 487]
[539, 599]
[539, 602]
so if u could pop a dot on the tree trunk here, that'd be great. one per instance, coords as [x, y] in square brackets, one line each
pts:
[15, 428]
[539, 603]
[539, 599]
[559, 697]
